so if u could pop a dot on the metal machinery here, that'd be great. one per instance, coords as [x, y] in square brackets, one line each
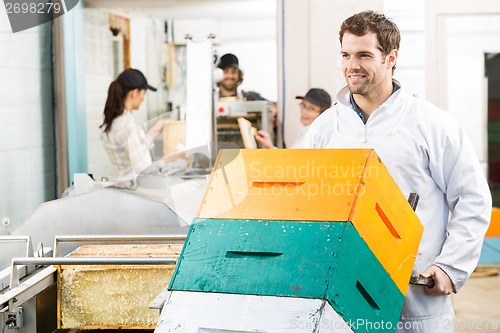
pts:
[157, 211]
[227, 113]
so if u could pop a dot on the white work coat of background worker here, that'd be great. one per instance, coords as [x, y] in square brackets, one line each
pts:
[425, 151]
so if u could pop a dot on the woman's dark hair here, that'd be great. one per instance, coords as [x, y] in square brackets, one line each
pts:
[114, 104]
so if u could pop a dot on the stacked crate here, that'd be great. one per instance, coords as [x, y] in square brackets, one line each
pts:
[295, 240]
[491, 244]
[494, 149]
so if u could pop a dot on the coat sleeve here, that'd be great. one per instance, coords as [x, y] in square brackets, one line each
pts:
[308, 138]
[317, 134]
[456, 170]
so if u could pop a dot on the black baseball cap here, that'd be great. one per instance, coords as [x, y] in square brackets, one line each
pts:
[133, 79]
[317, 96]
[227, 60]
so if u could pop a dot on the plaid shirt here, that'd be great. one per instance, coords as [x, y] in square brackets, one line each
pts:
[128, 147]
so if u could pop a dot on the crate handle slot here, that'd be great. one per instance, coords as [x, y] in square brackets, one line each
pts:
[367, 297]
[386, 221]
[280, 184]
[252, 254]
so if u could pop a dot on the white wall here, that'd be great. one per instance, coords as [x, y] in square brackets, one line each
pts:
[27, 175]
[154, 37]
[311, 53]
[469, 37]
[140, 57]
[458, 33]
[254, 43]
[409, 15]
[98, 76]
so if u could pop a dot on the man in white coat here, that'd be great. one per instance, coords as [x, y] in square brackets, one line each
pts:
[426, 152]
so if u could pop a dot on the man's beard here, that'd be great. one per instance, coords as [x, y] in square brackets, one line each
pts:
[229, 85]
[361, 88]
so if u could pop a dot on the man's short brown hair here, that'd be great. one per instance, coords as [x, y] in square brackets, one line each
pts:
[360, 24]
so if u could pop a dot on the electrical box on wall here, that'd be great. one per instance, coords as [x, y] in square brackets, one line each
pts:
[13, 319]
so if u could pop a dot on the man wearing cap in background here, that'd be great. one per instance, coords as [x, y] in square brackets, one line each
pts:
[231, 79]
[312, 105]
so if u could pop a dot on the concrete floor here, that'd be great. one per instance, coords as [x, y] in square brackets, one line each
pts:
[477, 304]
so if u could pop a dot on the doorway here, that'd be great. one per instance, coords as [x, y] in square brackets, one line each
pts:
[492, 72]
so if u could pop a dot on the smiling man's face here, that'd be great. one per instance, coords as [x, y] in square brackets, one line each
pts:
[230, 79]
[366, 69]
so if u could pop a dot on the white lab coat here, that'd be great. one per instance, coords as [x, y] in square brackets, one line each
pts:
[299, 142]
[426, 152]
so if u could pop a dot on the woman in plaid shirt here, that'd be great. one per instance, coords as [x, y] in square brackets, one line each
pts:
[127, 144]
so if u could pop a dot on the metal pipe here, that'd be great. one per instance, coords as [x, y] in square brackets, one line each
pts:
[95, 261]
[114, 239]
[19, 239]
[119, 238]
[12, 239]
[14, 278]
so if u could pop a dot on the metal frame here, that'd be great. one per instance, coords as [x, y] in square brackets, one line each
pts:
[4, 274]
[160, 299]
[28, 289]
[18, 239]
[14, 279]
[22, 292]
[113, 239]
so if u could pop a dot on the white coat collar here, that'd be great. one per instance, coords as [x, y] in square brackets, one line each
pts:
[383, 121]
[343, 96]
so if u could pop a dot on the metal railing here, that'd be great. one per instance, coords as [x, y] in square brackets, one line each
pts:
[21, 292]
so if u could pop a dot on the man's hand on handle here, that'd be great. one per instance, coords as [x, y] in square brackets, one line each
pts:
[442, 282]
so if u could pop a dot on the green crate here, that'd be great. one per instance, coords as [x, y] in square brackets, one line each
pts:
[322, 260]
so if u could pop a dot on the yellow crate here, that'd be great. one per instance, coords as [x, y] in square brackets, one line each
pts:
[319, 185]
[494, 228]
